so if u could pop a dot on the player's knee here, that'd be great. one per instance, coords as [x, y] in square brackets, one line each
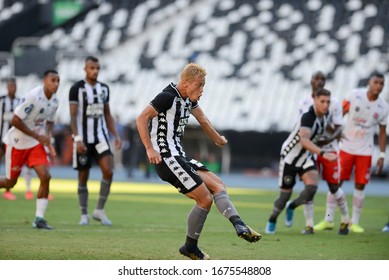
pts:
[107, 174]
[9, 184]
[205, 202]
[45, 177]
[333, 188]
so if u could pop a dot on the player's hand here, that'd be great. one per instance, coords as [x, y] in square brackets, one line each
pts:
[118, 143]
[222, 141]
[153, 156]
[330, 156]
[323, 140]
[380, 165]
[52, 151]
[44, 140]
[81, 148]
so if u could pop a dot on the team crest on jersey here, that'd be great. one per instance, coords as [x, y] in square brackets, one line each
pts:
[375, 116]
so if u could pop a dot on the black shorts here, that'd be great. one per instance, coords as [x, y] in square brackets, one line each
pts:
[180, 172]
[84, 161]
[288, 173]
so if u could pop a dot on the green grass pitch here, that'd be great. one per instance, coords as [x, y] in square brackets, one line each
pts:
[149, 223]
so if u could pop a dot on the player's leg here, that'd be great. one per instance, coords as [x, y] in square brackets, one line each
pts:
[362, 176]
[27, 177]
[286, 181]
[37, 159]
[82, 163]
[14, 161]
[226, 207]
[179, 172]
[42, 200]
[310, 178]
[106, 166]
[195, 223]
[83, 195]
[335, 197]
[8, 195]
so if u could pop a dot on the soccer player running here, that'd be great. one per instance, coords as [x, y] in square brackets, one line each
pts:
[90, 116]
[297, 158]
[364, 110]
[7, 105]
[167, 115]
[329, 169]
[33, 121]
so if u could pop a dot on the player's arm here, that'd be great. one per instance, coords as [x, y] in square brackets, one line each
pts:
[207, 127]
[382, 145]
[81, 148]
[333, 134]
[49, 133]
[73, 108]
[19, 124]
[111, 126]
[305, 134]
[142, 123]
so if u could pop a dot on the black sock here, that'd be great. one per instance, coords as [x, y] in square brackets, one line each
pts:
[191, 244]
[293, 205]
[235, 220]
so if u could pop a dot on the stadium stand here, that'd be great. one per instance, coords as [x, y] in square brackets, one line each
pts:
[259, 54]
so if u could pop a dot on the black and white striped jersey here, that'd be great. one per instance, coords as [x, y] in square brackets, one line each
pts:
[91, 124]
[292, 151]
[7, 106]
[167, 128]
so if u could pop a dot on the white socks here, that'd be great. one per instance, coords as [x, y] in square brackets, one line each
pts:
[41, 206]
[358, 198]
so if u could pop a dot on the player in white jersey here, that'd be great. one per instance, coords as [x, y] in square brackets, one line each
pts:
[329, 169]
[33, 121]
[7, 105]
[161, 126]
[364, 111]
[297, 158]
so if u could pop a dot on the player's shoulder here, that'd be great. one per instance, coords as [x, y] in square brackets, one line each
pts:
[335, 100]
[78, 84]
[169, 92]
[358, 92]
[103, 84]
[310, 113]
[35, 93]
[383, 103]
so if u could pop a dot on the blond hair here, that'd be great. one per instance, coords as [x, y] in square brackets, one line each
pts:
[191, 71]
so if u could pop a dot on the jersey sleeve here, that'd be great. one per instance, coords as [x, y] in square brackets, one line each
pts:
[307, 120]
[106, 93]
[25, 107]
[195, 104]
[51, 118]
[162, 102]
[337, 114]
[73, 94]
[384, 119]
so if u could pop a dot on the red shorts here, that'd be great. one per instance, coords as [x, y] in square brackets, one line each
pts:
[362, 167]
[329, 169]
[15, 159]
